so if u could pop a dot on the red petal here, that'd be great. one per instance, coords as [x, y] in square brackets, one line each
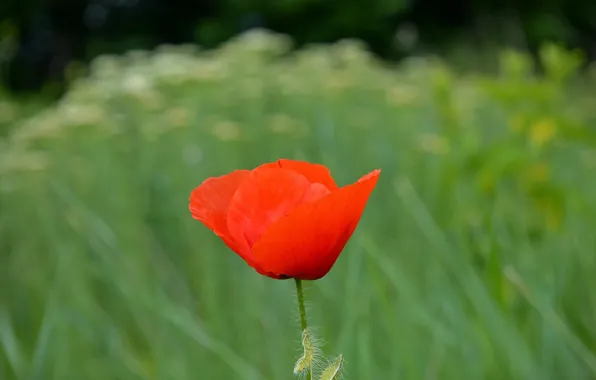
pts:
[209, 203]
[306, 243]
[263, 197]
[315, 192]
[315, 173]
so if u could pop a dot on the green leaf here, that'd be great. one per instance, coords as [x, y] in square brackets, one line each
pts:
[305, 361]
[333, 371]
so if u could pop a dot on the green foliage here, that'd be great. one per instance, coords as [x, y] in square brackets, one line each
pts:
[15, 110]
[474, 259]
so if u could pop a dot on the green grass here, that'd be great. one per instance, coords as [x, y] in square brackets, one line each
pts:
[473, 259]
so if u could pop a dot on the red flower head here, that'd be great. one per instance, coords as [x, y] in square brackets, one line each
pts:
[286, 219]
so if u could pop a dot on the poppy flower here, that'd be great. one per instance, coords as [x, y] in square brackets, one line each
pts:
[286, 219]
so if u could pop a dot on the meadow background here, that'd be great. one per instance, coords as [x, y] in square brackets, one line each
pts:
[473, 259]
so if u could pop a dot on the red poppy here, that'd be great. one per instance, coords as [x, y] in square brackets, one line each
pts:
[286, 219]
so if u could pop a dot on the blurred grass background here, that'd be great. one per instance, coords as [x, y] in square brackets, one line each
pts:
[473, 259]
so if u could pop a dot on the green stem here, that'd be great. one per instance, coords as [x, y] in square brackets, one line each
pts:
[300, 293]
[303, 322]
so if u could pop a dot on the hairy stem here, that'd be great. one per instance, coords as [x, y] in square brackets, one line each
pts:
[303, 322]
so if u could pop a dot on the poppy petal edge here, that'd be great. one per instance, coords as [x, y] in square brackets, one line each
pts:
[209, 202]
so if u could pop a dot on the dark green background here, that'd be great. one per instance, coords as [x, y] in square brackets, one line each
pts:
[47, 35]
